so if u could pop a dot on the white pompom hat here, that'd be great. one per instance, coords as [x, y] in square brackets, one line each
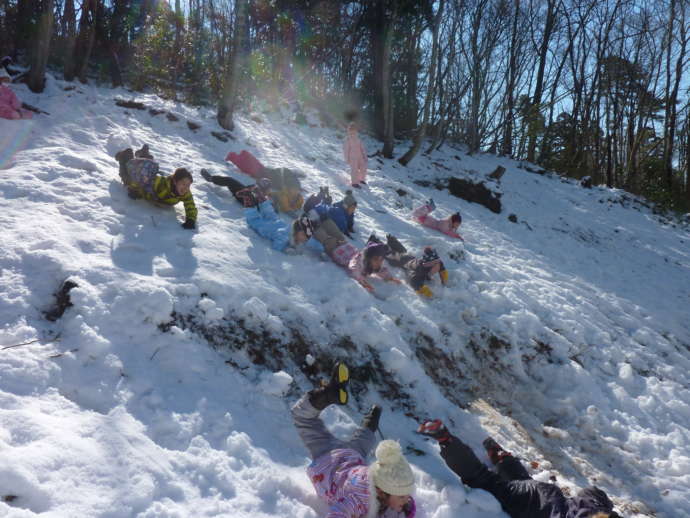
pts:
[391, 472]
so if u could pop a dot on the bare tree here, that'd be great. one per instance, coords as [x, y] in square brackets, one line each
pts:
[41, 47]
[227, 105]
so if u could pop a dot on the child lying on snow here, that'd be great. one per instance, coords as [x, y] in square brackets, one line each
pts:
[286, 187]
[260, 214]
[418, 271]
[519, 495]
[448, 226]
[342, 213]
[339, 473]
[141, 177]
[358, 263]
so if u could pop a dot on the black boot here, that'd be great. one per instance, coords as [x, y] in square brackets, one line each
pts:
[144, 152]
[206, 175]
[371, 419]
[122, 158]
[335, 392]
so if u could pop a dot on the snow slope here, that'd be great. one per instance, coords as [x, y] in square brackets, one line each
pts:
[164, 391]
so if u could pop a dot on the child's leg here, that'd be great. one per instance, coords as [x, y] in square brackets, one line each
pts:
[354, 173]
[311, 429]
[510, 468]
[329, 235]
[421, 213]
[362, 441]
[362, 171]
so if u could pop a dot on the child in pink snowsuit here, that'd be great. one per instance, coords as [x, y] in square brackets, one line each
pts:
[10, 105]
[448, 226]
[355, 155]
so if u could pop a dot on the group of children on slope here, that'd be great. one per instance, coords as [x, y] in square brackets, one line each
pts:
[322, 225]
[384, 489]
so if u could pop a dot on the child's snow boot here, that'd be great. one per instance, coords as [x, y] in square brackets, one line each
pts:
[374, 239]
[395, 245]
[494, 450]
[143, 152]
[206, 175]
[434, 429]
[371, 419]
[431, 204]
[334, 392]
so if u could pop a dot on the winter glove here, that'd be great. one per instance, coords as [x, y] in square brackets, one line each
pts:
[189, 224]
[425, 291]
[434, 429]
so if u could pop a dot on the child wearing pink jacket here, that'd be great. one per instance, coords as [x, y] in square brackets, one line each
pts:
[448, 226]
[356, 156]
[10, 105]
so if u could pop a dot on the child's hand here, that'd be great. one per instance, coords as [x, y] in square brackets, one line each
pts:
[367, 286]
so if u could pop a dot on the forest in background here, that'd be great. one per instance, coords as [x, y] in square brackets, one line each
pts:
[594, 88]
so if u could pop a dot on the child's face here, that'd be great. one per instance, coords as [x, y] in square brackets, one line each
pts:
[397, 502]
[300, 237]
[376, 263]
[182, 186]
[454, 225]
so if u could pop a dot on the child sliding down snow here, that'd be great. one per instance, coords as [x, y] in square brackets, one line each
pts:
[287, 195]
[10, 105]
[342, 213]
[260, 214]
[419, 271]
[338, 470]
[519, 495]
[140, 174]
[448, 226]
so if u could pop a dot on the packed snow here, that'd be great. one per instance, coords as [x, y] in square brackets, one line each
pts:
[569, 328]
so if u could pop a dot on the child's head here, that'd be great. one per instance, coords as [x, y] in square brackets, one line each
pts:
[182, 181]
[374, 253]
[264, 185]
[392, 476]
[352, 128]
[301, 230]
[349, 202]
[4, 76]
[431, 260]
[455, 220]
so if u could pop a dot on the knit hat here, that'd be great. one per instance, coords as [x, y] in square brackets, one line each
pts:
[4, 74]
[390, 472]
[456, 217]
[264, 185]
[303, 224]
[349, 200]
[430, 257]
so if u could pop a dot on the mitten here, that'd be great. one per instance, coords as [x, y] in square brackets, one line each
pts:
[189, 224]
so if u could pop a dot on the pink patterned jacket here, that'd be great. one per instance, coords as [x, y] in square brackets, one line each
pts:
[355, 268]
[10, 104]
[442, 225]
[341, 478]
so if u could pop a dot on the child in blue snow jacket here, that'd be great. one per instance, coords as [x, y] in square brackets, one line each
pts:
[260, 214]
[342, 213]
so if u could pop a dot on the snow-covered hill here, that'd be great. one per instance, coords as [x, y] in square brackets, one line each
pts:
[164, 390]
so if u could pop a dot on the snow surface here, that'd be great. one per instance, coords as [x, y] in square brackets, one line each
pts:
[570, 328]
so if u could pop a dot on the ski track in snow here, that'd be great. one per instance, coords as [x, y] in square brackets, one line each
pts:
[105, 415]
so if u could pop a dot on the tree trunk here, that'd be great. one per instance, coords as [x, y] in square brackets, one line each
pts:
[227, 104]
[507, 147]
[386, 97]
[672, 95]
[539, 87]
[41, 48]
[421, 132]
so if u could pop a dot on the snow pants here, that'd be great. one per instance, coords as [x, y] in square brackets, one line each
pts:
[358, 171]
[225, 181]
[319, 440]
[329, 235]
